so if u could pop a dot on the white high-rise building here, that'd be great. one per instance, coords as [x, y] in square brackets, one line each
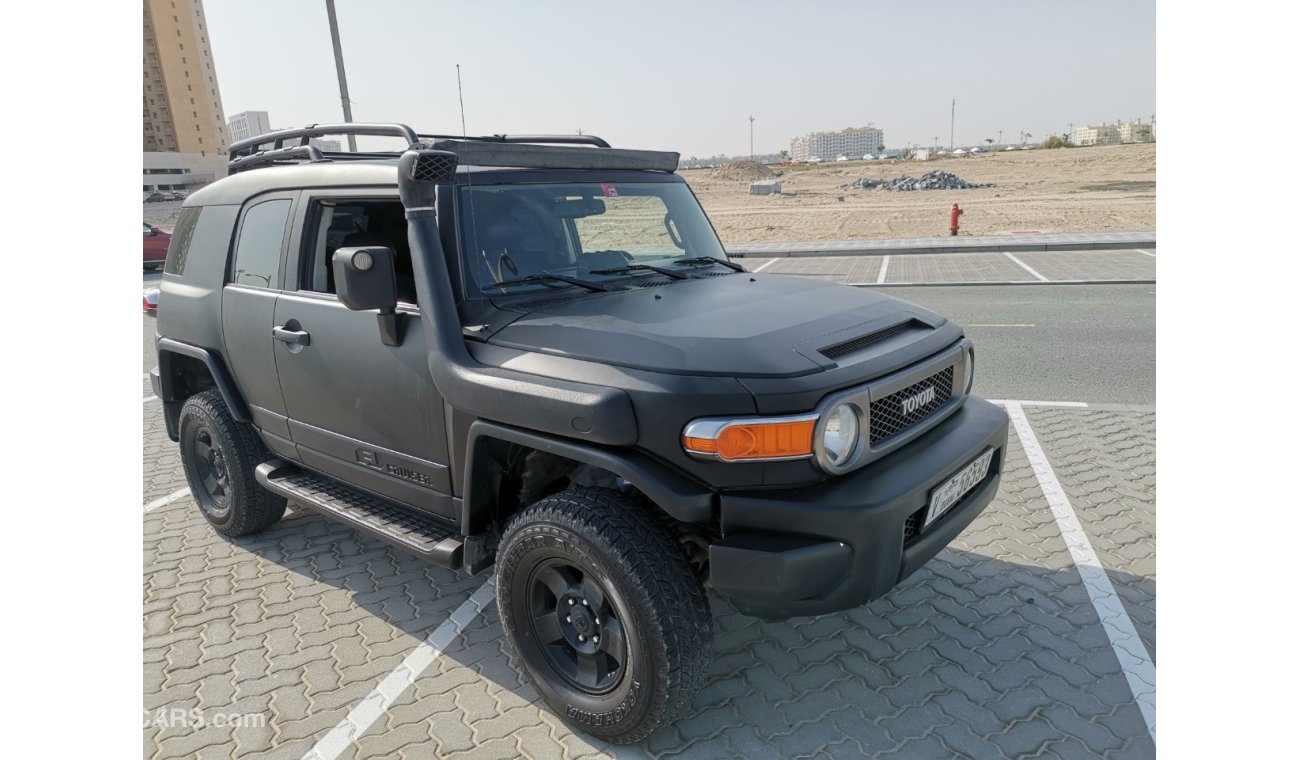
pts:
[248, 124]
[1119, 132]
[854, 142]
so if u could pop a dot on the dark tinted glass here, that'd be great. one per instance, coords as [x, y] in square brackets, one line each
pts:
[257, 258]
[182, 236]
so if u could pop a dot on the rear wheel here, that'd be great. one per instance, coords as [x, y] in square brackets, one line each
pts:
[220, 455]
[602, 609]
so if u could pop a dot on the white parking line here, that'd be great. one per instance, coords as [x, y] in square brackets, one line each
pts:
[761, 267]
[1025, 266]
[168, 499]
[147, 399]
[1144, 253]
[1139, 670]
[377, 702]
[1020, 402]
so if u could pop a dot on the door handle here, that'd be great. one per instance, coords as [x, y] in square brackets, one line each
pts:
[292, 337]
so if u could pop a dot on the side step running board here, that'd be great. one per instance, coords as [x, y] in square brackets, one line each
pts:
[424, 537]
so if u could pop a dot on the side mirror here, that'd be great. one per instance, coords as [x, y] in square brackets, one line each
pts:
[365, 280]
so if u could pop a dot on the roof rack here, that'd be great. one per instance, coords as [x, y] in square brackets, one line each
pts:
[534, 139]
[294, 145]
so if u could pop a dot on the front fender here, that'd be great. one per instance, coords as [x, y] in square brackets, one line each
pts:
[676, 494]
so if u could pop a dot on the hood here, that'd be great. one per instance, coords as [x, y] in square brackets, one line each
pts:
[739, 325]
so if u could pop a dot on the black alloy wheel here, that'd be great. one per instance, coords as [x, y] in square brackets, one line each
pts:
[603, 611]
[211, 468]
[577, 627]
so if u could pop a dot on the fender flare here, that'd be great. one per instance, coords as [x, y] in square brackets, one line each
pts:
[683, 498]
[220, 376]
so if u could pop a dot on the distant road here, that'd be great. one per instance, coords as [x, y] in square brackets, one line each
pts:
[1093, 343]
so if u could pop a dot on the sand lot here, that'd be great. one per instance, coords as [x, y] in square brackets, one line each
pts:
[1065, 190]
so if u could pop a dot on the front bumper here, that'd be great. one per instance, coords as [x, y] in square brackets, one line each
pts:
[840, 544]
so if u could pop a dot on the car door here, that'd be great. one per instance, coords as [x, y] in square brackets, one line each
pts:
[253, 282]
[358, 410]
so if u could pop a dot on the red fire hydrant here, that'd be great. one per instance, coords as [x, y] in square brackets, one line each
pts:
[953, 226]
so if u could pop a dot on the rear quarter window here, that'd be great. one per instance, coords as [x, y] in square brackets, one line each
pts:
[182, 238]
[261, 239]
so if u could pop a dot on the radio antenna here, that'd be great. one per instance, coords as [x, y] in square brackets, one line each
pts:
[461, 94]
[469, 184]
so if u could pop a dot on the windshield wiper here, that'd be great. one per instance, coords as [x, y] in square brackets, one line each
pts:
[643, 268]
[706, 260]
[547, 278]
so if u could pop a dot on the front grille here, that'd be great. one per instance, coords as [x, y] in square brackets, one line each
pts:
[888, 417]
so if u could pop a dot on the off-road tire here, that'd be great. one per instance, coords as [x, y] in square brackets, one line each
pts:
[249, 508]
[646, 582]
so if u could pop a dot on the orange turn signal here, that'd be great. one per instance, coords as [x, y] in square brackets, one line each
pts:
[774, 439]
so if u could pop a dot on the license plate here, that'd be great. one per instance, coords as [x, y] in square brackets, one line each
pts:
[948, 494]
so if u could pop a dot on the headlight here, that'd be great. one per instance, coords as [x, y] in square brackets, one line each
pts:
[840, 434]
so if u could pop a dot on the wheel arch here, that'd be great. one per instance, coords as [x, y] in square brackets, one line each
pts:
[678, 496]
[184, 370]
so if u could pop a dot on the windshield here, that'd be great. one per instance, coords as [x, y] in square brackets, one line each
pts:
[595, 231]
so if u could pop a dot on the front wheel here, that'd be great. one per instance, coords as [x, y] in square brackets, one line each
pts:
[608, 621]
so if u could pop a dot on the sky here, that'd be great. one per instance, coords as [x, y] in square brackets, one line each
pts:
[686, 76]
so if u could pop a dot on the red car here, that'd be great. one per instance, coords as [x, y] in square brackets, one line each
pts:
[155, 246]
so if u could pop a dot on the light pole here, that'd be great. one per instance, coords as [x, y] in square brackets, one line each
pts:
[999, 137]
[343, 77]
[751, 137]
[952, 124]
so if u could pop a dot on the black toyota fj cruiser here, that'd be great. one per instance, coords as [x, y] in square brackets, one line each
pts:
[533, 352]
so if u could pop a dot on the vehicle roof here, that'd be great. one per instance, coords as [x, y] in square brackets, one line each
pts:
[382, 173]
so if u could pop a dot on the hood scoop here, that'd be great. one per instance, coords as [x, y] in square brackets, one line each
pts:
[870, 339]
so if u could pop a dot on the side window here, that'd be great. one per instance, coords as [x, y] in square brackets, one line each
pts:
[261, 238]
[348, 223]
[182, 237]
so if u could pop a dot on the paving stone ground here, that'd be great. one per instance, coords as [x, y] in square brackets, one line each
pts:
[965, 267]
[1106, 462]
[1090, 265]
[991, 650]
[837, 268]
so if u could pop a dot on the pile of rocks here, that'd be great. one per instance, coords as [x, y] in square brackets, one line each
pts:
[935, 180]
